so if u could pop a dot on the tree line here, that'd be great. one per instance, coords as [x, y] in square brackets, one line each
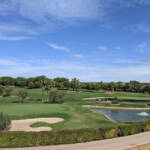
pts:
[64, 83]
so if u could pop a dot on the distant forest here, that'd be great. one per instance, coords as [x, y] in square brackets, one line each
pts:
[75, 84]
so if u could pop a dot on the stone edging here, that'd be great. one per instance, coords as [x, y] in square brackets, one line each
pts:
[115, 108]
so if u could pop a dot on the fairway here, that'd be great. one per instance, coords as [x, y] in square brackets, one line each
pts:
[75, 117]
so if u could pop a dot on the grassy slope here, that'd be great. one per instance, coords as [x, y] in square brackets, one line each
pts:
[75, 116]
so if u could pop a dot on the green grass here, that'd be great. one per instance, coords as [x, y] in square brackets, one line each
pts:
[76, 97]
[126, 105]
[74, 115]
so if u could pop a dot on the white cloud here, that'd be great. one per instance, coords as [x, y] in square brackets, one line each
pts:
[103, 48]
[40, 10]
[7, 62]
[145, 60]
[15, 32]
[57, 47]
[32, 17]
[14, 38]
[106, 26]
[143, 47]
[141, 27]
[78, 56]
[71, 69]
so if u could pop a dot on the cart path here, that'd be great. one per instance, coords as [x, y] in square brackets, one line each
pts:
[123, 143]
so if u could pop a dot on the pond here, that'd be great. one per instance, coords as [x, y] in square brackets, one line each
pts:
[126, 115]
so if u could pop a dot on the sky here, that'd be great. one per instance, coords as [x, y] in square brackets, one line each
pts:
[92, 40]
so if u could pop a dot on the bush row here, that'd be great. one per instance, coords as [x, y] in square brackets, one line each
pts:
[28, 139]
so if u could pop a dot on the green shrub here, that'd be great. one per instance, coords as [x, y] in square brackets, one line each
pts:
[109, 132]
[4, 122]
[18, 139]
[1, 90]
[7, 91]
[26, 139]
[129, 129]
[56, 97]
[146, 126]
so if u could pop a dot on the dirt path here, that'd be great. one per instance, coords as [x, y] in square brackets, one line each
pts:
[24, 125]
[123, 143]
[143, 147]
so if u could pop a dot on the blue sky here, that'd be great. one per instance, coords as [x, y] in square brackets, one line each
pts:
[93, 40]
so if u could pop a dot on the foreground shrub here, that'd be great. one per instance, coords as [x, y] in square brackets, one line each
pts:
[109, 132]
[26, 139]
[133, 128]
[4, 122]
[145, 126]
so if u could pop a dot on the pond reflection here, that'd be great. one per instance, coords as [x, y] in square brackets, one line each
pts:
[126, 115]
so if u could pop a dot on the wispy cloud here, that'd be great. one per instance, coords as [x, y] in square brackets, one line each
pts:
[57, 47]
[15, 32]
[106, 26]
[103, 48]
[85, 9]
[14, 38]
[143, 47]
[7, 62]
[141, 27]
[71, 69]
[145, 60]
[44, 16]
[80, 56]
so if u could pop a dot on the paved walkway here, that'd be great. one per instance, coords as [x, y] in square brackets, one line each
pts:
[122, 143]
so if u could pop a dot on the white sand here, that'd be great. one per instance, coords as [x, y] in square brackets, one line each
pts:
[24, 125]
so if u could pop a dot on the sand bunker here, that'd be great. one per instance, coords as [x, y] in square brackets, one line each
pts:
[24, 125]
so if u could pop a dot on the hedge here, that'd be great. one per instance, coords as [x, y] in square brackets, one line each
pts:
[26, 139]
[29, 139]
[109, 132]
[133, 128]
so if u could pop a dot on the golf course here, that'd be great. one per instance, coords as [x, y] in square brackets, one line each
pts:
[54, 115]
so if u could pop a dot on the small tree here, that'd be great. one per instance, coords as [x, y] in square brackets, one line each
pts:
[75, 84]
[21, 96]
[4, 122]
[49, 85]
[31, 85]
[7, 91]
[56, 97]
[1, 90]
